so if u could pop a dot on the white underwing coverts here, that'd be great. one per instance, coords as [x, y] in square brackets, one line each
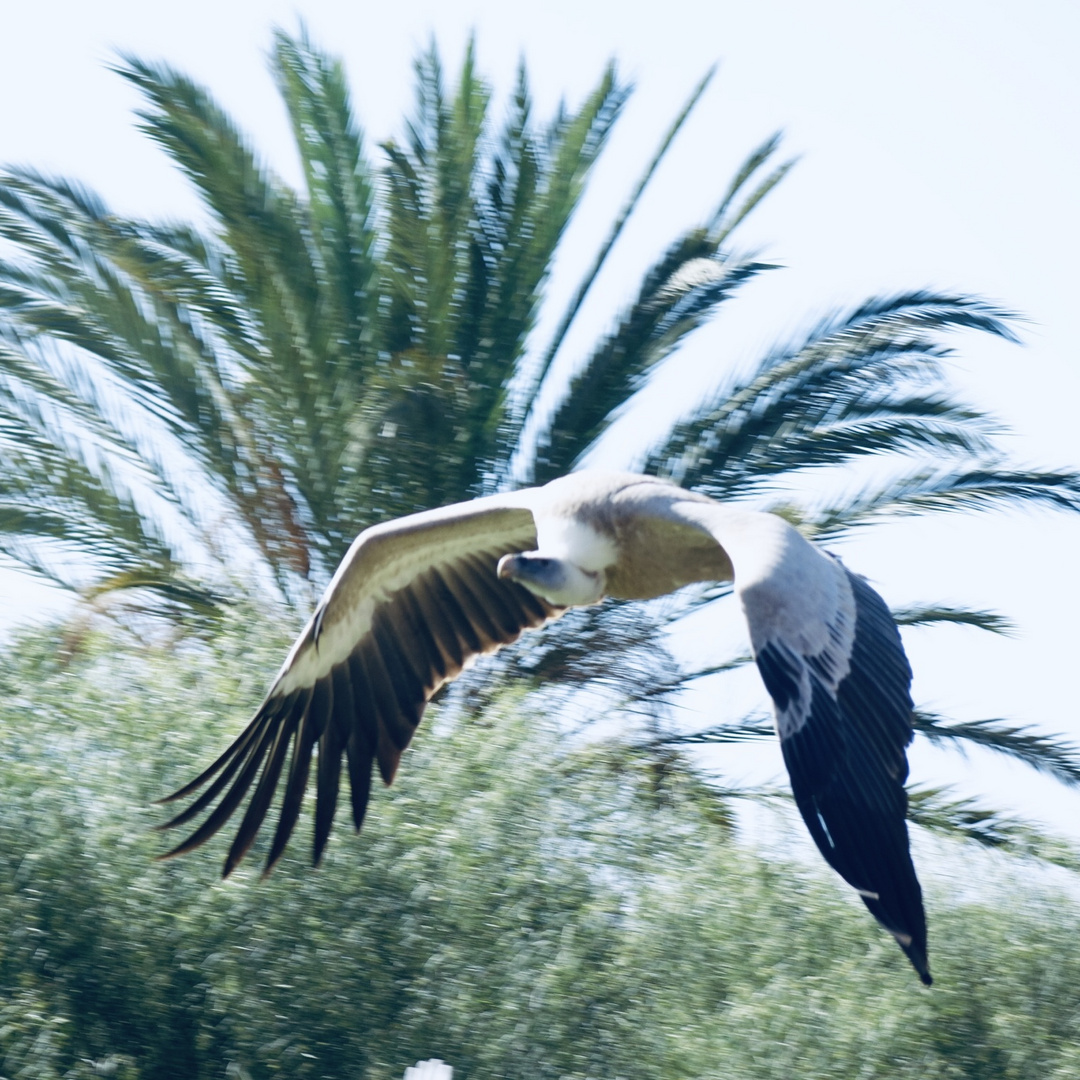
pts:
[417, 599]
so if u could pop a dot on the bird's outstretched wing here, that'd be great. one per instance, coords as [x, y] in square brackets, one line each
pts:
[832, 661]
[844, 718]
[413, 602]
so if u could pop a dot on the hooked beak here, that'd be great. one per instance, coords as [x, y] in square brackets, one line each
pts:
[508, 566]
[557, 581]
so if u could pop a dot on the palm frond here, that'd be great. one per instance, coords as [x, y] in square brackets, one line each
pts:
[61, 521]
[340, 203]
[670, 687]
[485, 248]
[145, 364]
[616, 230]
[170, 592]
[751, 728]
[855, 385]
[75, 475]
[937, 491]
[1050, 754]
[78, 294]
[677, 296]
[446, 144]
[727, 217]
[259, 215]
[67, 289]
[274, 270]
[935, 614]
[942, 812]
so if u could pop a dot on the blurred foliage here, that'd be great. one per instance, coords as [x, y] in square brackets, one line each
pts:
[518, 905]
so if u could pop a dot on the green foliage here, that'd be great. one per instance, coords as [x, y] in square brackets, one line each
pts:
[518, 905]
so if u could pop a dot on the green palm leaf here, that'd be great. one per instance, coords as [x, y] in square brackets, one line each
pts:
[340, 196]
[935, 614]
[938, 810]
[927, 491]
[616, 229]
[856, 384]
[1051, 754]
[678, 294]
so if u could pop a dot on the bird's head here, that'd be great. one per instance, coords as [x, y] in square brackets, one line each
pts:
[557, 581]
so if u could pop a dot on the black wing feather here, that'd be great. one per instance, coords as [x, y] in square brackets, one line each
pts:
[367, 707]
[331, 746]
[278, 740]
[312, 725]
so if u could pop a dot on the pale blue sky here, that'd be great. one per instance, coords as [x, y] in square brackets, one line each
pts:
[940, 148]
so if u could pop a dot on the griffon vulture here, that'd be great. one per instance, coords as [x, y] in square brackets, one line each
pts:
[416, 599]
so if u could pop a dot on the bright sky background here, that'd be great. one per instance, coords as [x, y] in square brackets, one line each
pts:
[939, 148]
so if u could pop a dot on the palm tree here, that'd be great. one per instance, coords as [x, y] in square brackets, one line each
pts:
[201, 413]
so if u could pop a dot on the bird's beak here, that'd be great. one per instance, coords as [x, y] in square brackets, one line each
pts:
[507, 567]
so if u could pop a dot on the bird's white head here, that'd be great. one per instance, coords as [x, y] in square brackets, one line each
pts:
[557, 581]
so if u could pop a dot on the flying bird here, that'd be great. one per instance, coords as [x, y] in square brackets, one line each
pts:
[417, 599]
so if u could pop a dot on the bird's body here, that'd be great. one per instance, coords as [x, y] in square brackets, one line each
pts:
[416, 600]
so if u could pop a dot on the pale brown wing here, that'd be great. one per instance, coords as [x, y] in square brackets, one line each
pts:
[412, 604]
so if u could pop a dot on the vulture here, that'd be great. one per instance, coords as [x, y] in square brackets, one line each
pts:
[417, 599]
